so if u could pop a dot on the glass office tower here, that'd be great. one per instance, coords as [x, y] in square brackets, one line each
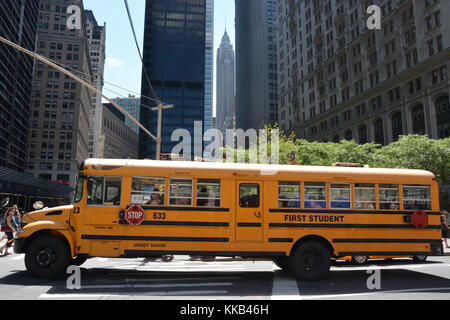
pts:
[174, 57]
[18, 23]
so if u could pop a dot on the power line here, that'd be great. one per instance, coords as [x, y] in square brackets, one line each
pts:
[139, 50]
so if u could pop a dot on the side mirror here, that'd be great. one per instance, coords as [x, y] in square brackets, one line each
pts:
[38, 205]
[4, 202]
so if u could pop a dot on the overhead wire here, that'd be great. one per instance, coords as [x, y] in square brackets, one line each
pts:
[139, 51]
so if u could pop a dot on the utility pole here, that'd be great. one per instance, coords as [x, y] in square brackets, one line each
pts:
[160, 107]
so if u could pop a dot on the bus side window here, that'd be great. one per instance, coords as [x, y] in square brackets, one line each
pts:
[104, 191]
[315, 195]
[148, 191]
[249, 195]
[340, 196]
[288, 194]
[113, 190]
[180, 192]
[95, 190]
[365, 198]
[416, 198]
[389, 197]
[208, 193]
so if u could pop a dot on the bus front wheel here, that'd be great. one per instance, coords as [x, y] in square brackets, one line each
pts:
[310, 261]
[47, 257]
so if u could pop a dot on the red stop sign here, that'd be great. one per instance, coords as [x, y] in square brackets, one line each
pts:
[134, 215]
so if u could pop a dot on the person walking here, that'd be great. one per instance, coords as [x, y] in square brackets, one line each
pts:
[8, 229]
[444, 227]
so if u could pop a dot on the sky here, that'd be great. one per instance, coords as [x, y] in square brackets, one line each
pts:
[123, 67]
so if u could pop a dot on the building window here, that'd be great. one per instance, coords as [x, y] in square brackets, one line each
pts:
[379, 132]
[443, 116]
[418, 117]
[363, 135]
[397, 126]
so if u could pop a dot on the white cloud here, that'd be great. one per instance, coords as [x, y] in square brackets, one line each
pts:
[114, 62]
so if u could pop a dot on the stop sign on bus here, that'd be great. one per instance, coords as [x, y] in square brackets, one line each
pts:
[134, 215]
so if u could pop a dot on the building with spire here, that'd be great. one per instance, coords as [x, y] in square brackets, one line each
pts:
[225, 85]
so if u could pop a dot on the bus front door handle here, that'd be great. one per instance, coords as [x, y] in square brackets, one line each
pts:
[257, 214]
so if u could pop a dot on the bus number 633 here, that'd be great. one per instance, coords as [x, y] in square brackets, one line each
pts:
[159, 215]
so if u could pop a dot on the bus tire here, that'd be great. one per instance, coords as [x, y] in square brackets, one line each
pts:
[360, 260]
[310, 261]
[419, 259]
[282, 263]
[47, 257]
[79, 260]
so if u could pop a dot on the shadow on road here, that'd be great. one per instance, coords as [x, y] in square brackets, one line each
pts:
[131, 282]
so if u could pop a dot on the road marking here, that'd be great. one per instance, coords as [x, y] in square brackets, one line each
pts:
[181, 279]
[392, 267]
[19, 257]
[285, 286]
[143, 286]
[146, 294]
[345, 295]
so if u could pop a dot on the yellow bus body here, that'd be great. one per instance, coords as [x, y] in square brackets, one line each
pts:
[264, 230]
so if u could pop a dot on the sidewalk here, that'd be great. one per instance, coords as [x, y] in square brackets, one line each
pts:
[446, 251]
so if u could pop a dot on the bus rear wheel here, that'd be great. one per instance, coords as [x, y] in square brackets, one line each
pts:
[310, 261]
[47, 257]
[282, 263]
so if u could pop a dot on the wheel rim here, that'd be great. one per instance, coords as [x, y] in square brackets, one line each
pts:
[311, 260]
[360, 259]
[45, 258]
[421, 258]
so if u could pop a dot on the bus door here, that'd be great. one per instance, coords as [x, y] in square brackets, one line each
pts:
[249, 211]
[102, 209]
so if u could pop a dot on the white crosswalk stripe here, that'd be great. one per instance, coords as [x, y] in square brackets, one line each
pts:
[119, 280]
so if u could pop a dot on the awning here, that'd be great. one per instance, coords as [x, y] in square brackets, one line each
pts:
[14, 182]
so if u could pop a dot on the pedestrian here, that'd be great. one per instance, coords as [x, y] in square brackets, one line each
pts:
[17, 218]
[8, 229]
[444, 227]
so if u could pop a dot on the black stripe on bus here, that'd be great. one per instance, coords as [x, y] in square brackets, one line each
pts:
[385, 253]
[180, 223]
[143, 238]
[356, 226]
[281, 240]
[387, 241]
[253, 254]
[336, 211]
[249, 225]
[209, 209]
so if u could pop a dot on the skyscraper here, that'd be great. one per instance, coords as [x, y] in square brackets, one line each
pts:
[133, 106]
[174, 58]
[256, 63]
[60, 119]
[225, 85]
[339, 80]
[209, 72]
[18, 23]
[97, 48]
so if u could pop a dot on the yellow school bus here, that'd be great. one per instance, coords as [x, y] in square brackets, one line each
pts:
[298, 216]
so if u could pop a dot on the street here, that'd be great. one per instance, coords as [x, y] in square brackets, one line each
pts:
[223, 279]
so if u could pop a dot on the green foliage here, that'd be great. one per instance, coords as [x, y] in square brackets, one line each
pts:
[409, 152]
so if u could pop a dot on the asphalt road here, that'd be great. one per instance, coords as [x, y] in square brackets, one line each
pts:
[224, 279]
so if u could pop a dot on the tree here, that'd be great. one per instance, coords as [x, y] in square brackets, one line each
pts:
[416, 152]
